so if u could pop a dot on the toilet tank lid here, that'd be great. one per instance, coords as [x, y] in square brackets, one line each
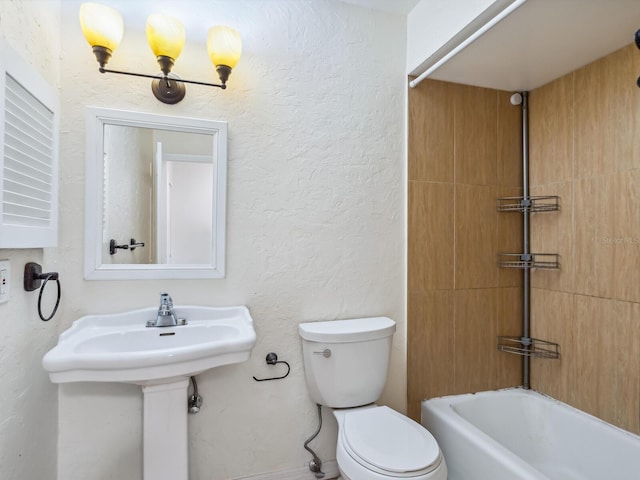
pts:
[353, 330]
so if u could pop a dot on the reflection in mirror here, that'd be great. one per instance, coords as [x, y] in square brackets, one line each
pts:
[157, 186]
[168, 177]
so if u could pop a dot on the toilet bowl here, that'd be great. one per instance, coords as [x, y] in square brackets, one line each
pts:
[378, 443]
[346, 363]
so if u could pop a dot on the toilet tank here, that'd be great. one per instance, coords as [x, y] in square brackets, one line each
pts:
[346, 361]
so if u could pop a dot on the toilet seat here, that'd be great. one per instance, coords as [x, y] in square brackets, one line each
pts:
[386, 442]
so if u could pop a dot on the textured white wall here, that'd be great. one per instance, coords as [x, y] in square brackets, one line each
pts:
[315, 220]
[28, 401]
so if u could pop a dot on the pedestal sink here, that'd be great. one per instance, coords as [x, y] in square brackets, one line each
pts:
[121, 348]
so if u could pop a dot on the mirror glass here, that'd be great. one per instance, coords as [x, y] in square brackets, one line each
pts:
[155, 196]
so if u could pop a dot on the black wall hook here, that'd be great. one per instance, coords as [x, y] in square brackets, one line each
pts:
[272, 359]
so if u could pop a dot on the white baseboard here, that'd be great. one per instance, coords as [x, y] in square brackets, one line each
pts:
[330, 468]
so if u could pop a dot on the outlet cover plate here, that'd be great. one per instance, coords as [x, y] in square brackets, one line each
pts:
[5, 280]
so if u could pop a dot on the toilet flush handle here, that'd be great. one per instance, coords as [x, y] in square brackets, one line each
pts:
[326, 353]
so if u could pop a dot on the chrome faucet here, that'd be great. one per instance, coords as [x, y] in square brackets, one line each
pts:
[166, 316]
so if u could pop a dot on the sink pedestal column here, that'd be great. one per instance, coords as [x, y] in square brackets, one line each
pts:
[165, 441]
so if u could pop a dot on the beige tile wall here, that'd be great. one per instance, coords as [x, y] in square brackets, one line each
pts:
[464, 152]
[585, 147]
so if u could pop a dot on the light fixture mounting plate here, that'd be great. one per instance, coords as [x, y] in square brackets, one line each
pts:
[167, 90]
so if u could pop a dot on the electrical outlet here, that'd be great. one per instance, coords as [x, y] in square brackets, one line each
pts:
[5, 280]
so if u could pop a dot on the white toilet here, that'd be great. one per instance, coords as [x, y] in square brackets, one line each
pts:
[345, 364]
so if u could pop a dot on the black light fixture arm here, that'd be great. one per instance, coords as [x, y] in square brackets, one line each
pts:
[155, 77]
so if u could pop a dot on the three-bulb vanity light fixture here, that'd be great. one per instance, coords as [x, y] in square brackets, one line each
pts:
[103, 27]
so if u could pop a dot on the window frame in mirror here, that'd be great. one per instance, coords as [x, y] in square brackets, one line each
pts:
[94, 269]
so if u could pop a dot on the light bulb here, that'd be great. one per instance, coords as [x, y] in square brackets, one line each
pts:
[224, 45]
[102, 26]
[165, 35]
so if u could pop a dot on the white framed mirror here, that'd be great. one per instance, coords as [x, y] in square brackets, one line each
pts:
[155, 196]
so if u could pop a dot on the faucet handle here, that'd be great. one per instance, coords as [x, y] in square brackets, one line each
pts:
[165, 299]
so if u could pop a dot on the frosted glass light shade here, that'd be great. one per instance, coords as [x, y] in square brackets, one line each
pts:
[224, 45]
[102, 26]
[165, 35]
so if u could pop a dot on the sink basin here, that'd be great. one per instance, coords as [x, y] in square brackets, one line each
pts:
[120, 348]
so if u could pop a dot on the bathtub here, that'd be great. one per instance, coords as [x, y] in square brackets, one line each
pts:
[518, 434]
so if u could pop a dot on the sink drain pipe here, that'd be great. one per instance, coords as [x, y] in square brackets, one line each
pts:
[195, 400]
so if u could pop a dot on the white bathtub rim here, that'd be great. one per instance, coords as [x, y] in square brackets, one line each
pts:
[446, 402]
[447, 424]
[492, 448]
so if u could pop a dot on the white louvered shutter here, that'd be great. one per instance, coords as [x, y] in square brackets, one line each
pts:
[28, 156]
